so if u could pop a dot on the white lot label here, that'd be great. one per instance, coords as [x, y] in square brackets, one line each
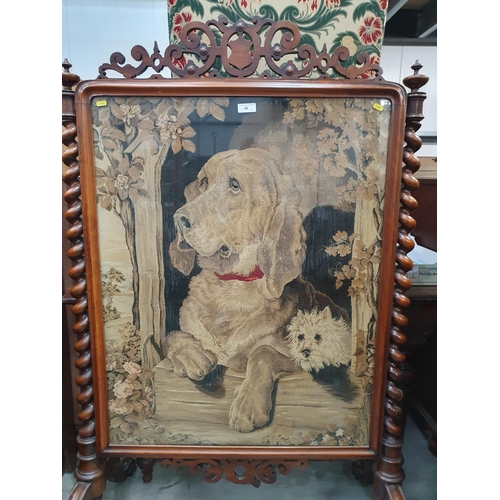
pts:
[249, 107]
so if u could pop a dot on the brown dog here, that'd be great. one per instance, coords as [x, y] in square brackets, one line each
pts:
[241, 221]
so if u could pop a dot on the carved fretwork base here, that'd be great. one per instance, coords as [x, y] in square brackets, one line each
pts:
[242, 471]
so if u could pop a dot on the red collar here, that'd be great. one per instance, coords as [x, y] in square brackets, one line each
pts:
[256, 274]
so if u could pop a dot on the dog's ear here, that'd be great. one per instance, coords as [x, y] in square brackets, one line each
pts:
[283, 249]
[183, 260]
[326, 314]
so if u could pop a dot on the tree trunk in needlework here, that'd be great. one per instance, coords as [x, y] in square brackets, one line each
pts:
[127, 216]
[149, 244]
[364, 301]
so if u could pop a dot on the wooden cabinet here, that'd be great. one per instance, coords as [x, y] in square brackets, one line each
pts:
[421, 332]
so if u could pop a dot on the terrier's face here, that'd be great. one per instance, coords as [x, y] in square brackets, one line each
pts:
[316, 340]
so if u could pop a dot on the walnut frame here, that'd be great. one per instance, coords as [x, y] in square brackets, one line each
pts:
[210, 88]
[386, 422]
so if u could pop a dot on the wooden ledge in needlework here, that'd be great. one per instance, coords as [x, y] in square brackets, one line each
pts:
[187, 409]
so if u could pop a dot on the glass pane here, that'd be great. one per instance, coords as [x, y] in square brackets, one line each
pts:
[240, 243]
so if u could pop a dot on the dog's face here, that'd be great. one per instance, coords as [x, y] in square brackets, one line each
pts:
[226, 209]
[241, 212]
[316, 340]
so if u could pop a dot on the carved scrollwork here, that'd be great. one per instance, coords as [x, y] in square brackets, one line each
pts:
[238, 51]
[238, 471]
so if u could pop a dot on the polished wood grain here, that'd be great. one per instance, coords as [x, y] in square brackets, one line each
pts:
[389, 474]
[68, 415]
[229, 88]
[89, 472]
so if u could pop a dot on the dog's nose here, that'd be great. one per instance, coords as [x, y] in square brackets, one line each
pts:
[182, 221]
[185, 222]
[306, 353]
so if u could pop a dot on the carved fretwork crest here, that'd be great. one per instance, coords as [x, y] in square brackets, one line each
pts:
[239, 51]
[238, 471]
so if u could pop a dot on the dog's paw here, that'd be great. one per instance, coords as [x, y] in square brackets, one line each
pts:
[251, 408]
[189, 359]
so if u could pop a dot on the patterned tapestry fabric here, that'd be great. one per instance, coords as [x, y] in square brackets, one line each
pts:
[358, 25]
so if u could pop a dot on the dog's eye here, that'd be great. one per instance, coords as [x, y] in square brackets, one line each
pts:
[234, 184]
[300, 337]
[317, 337]
[204, 183]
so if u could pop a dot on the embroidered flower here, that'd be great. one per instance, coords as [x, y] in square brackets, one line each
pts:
[132, 368]
[314, 4]
[371, 30]
[169, 130]
[179, 21]
[123, 389]
[168, 127]
[244, 3]
[383, 4]
[348, 42]
[174, 130]
[129, 112]
[331, 4]
[121, 181]
[117, 406]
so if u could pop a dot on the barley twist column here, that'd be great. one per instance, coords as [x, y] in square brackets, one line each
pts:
[89, 472]
[389, 474]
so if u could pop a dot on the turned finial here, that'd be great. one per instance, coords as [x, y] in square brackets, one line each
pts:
[415, 81]
[416, 67]
[66, 65]
[68, 79]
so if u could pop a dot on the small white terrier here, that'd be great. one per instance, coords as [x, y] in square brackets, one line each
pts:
[317, 340]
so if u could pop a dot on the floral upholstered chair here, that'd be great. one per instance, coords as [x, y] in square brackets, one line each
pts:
[325, 24]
